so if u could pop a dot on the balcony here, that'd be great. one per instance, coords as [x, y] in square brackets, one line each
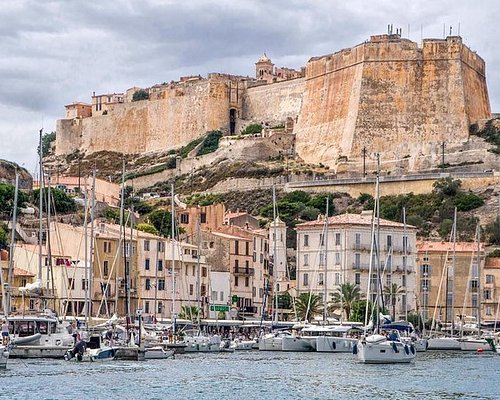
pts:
[362, 266]
[244, 271]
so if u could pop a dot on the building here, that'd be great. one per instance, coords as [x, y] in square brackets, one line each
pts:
[338, 251]
[447, 279]
[490, 285]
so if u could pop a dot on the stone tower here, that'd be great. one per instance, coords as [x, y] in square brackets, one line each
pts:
[264, 68]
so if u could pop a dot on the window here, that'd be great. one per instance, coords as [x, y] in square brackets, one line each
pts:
[490, 278]
[489, 310]
[487, 294]
[306, 279]
[425, 285]
[236, 265]
[247, 248]
[405, 262]
[425, 268]
[337, 239]
[306, 240]
[107, 247]
[126, 249]
[203, 290]
[148, 284]
[337, 258]
[474, 300]
[211, 245]
[146, 245]
[321, 279]
[236, 247]
[474, 283]
[161, 285]
[184, 218]
[357, 260]
[321, 258]
[388, 266]
[403, 301]
[160, 246]
[71, 283]
[191, 289]
[160, 265]
[146, 307]
[357, 241]
[221, 297]
[235, 281]
[254, 291]
[357, 278]
[105, 268]
[306, 259]
[193, 270]
[203, 218]
[403, 280]
[160, 307]
[388, 279]
[85, 285]
[261, 293]
[146, 264]
[389, 241]
[405, 244]
[247, 281]
[337, 278]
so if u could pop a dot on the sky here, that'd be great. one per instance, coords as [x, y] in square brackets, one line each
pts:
[54, 52]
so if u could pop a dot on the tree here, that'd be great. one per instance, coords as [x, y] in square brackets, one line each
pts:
[148, 228]
[162, 221]
[344, 297]
[189, 312]
[446, 187]
[3, 237]
[392, 292]
[493, 232]
[62, 202]
[47, 139]
[140, 94]
[468, 201]
[7, 193]
[307, 305]
[319, 202]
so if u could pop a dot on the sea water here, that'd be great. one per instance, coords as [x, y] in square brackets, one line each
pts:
[257, 375]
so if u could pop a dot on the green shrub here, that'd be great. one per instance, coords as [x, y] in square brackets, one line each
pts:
[252, 129]
[468, 201]
[184, 151]
[140, 94]
[63, 203]
[148, 228]
[210, 144]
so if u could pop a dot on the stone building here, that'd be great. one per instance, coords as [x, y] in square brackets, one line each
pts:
[490, 284]
[329, 254]
[447, 279]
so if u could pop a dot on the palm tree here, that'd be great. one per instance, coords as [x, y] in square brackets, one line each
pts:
[307, 305]
[189, 312]
[344, 298]
[392, 292]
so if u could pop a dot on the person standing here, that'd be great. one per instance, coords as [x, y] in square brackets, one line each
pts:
[5, 332]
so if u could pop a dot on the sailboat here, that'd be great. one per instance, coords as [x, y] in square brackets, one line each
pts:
[379, 348]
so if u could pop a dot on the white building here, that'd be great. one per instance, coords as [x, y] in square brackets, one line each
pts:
[326, 258]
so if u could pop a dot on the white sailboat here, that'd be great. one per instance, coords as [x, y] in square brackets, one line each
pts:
[378, 348]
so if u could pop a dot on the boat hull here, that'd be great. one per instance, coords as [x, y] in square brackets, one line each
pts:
[299, 344]
[386, 352]
[329, 344]
[443, 344]
[474, 345]
[39, 351]
[270, 344]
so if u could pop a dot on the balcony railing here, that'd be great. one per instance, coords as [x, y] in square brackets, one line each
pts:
[244, 271]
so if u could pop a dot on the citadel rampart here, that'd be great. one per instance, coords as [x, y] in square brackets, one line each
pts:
[387, 96]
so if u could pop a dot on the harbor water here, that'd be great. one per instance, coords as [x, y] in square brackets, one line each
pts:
[257, 375]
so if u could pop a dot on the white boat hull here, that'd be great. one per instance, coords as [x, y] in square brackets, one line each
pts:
[270, 344]
[299, 344]
[329, 344]
[443, 343]
[474, 345]
[157, 353]
[384, 352]
[243, 345]
[39, 351]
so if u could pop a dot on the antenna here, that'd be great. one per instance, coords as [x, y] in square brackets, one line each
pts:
[451, 28]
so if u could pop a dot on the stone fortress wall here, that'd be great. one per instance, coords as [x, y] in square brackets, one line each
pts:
[387, 95]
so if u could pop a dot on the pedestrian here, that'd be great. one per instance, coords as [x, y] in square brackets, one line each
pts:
[5, 332]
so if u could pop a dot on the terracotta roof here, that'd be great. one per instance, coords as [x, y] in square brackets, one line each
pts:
[22, 272]
[230, 215]
[462, 247]
[353, 219]
[229, 236]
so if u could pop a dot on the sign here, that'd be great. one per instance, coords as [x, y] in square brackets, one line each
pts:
[219, 307]
[234, 298]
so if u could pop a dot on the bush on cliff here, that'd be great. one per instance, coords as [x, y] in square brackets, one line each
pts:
[252, 129]
[140, 94]
[60, 200]
[211, 143]
[7, 193]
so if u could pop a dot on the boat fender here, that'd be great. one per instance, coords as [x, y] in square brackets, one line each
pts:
[407, 350]
[355, 348]
[395, 347]
[412, 349]
[334, 345]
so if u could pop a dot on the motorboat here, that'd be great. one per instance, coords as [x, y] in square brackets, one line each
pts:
[381, 349]
[241, 344]
[197, 342]
[36, 336]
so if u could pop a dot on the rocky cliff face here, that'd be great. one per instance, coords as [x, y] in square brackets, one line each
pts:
[8, 175]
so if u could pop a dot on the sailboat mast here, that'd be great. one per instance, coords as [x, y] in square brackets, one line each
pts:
[451, 287]
[478, 278]
[85, 249]
[129, 267]
[275, 263]
[173, 317]
[325, 293]
[405, 258]
[40, 205]
[198, 275]
[7, 305]
[120, 245]
[377, 241]
[89, 278]
[50, 270]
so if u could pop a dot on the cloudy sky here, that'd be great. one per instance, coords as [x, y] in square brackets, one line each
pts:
[54, 52]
